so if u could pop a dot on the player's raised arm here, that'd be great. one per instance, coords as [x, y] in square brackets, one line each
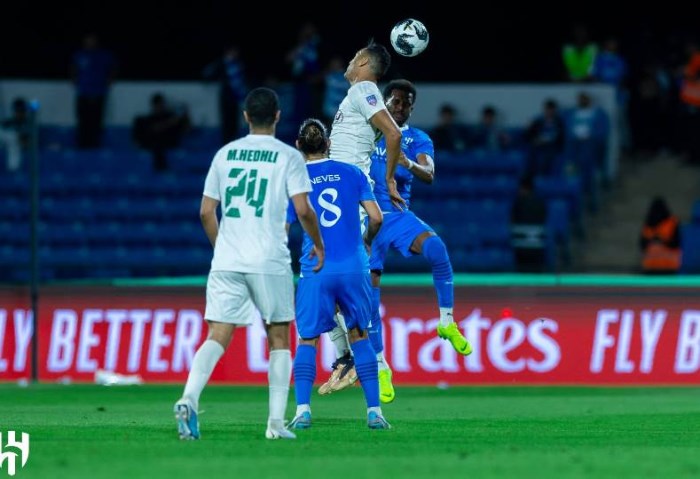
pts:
[309, 221]
[383, 122]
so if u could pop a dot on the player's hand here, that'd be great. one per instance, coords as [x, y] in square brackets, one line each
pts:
[368, 248]
[320, 254]
[396, 199]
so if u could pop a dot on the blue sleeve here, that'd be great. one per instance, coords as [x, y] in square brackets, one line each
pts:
[291, 213]
[423, 144]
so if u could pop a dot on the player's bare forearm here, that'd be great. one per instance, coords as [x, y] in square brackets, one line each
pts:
[309, 222]
[210, 223]
[207, 215]
[375, 218]
[372, 230]
[423, 168]
[393, 157]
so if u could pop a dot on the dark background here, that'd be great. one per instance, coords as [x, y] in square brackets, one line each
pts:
[157, 40]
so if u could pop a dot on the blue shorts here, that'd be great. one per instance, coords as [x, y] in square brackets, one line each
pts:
[318, 294]
[399, 230]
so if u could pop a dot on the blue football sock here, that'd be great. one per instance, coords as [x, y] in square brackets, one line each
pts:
[367, 371]
[304, 373]
[435, 252]
[375, 329]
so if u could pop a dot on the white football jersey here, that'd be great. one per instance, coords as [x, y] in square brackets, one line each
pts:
[353, 137]
[253, 178]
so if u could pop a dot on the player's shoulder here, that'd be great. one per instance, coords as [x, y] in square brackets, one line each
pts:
[419, 134]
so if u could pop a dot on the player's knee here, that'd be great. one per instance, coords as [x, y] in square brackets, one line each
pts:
[278, 336]
[309, 342]
[435, 251]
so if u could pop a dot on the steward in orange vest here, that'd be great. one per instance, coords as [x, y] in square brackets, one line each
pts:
[660, 240]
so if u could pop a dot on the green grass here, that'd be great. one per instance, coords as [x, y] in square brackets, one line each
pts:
[85, 431]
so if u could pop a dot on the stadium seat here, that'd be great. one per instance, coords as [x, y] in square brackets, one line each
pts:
[690, 245]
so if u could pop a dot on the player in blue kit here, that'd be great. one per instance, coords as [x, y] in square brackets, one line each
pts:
[338, 190]
[404, 231]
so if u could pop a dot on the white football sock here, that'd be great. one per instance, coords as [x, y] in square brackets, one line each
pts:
[446, 316]
[381, 362]
[302, 408]
[278, 375]
[203, 364]
[339, 337]
[376, 409]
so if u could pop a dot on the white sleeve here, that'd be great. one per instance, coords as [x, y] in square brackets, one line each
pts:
[367, 99]
[297, 175]
[211, 184]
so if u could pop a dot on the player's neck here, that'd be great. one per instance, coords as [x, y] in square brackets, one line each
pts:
[316, 157]
[262, 130]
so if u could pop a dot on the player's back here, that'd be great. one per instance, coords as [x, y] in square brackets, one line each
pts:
[254, 177]
[413, 142]
[338, 189]
[352, 135]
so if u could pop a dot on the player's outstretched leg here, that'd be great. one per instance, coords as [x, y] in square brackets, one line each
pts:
[343, 374]
[435, 252]
[367, 370]
[304, 377]
[386, 388]
[186, 408]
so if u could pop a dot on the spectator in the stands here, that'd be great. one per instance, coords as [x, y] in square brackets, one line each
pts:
[15, 133]
[659, 240]
[690, 104]
[610, 67]
[335, 88]
[488, 134]
[587, 130]
[545, 136]
[449, 134]
[229, 71]
[93, 69]
[161, 130]
[528, 228]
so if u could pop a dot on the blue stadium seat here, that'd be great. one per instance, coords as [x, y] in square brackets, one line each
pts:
[118, 138]
[695, 214]
[690, 245]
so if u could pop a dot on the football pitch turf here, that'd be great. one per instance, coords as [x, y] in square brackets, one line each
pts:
[87, 431]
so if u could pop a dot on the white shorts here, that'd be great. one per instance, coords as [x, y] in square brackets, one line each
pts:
[233, 297]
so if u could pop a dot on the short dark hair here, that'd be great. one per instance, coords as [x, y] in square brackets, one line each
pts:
[448, 108]
[488, 110]
[20, 105]
[401, 85]
[312, 137]
[262, 105]
[380, 60]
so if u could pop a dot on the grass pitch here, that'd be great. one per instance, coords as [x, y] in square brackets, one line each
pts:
[86, 431]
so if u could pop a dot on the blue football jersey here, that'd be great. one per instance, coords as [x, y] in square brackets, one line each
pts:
[413, 142]
[338, 189]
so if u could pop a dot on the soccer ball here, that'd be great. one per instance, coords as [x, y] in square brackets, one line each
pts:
[409, 37]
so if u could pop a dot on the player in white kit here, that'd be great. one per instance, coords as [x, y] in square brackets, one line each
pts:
[362, 119]
[253, 178]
